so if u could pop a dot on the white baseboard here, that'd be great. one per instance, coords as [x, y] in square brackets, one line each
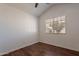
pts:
[16, 49]
[60, 46]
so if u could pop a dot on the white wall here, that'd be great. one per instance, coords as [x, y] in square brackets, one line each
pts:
[69, 40]
[17, 29]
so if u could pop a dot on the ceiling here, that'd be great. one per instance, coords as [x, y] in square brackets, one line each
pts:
[30, 7]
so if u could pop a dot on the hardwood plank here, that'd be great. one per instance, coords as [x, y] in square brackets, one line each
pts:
[42, 49]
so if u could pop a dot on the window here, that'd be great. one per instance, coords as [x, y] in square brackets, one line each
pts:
[56, 25]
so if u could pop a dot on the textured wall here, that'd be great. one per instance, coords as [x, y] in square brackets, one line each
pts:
[69, 40]
[17, 29]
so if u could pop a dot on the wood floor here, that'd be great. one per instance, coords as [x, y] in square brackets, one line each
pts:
[42, 49]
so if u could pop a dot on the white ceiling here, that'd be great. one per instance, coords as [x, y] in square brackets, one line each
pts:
[30, 7]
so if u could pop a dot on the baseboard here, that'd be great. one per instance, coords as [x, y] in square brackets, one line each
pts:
[7, 52]
[60, 47]
[43, 44]
[16, 49]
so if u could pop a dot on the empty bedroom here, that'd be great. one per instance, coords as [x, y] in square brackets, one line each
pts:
[39, 29]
